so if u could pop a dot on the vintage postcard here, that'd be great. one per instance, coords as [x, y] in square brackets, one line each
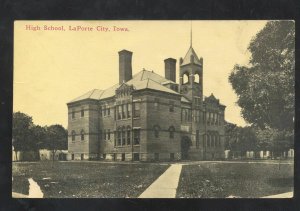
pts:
[153, 109]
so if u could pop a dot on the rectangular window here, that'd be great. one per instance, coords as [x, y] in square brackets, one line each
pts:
[128, 110]
[82, 113]
[136, 156]
[137, 112]
[119, 111]
[100, 111]
[119, 138]
[108, 111]
[197, 139]
[104, 134]
[189, 115]
[104, 111]
[73, 114]
[115, 138]
[108, 134]
[128, 137]
[137, 134]
[171, 106]
[123, 138]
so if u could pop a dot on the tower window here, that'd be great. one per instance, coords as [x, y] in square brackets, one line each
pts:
[82, 112]
[185, 78]
[73, 114]
[197, 78]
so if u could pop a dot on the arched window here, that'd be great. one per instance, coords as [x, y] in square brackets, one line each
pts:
[156, 129]
[82, 135]
[73, 135]
[197, 78]
[185, 78]
[128, 135]
[171, 132]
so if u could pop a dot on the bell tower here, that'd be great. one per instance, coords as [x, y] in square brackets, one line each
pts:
[191, 76]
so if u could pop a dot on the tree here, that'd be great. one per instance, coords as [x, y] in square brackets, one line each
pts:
[265, 87]
[22, 123]
[231, 136]
[56, 138]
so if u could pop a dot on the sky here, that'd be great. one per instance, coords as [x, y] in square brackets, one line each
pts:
[52, 67]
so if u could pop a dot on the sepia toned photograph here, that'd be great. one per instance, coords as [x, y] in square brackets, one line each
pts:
[153, 109]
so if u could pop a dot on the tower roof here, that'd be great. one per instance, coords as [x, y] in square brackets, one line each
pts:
[187, 58]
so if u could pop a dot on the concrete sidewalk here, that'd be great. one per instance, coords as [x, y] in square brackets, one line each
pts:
[283, 195]
[166, 185]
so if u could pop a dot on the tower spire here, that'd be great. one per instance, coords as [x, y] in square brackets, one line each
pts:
[191, 44]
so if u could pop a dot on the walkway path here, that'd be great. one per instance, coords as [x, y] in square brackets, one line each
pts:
[34, 191]
[166, 185]
[283, 195]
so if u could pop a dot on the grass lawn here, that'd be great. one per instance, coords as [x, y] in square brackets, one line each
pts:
[86, 179]
[210, 180]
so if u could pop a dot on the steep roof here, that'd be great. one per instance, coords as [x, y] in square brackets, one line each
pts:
[142, 80]
[187, 58]
[93, 94]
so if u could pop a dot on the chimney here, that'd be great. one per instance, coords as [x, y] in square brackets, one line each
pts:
[125, 68]
[170, 69]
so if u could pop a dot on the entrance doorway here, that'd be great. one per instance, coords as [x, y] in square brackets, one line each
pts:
[186, 143]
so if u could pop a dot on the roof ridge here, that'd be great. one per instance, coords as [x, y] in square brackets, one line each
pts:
[142, 74]
[93, 90]
[161, 85]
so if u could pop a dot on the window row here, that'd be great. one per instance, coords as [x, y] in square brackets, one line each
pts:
[123, 111]
[104, 111]
[186, 115]
[213, 140]
[213, 118]
[186, 79]
[81, 113]
[123, 136]
[82, 134]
